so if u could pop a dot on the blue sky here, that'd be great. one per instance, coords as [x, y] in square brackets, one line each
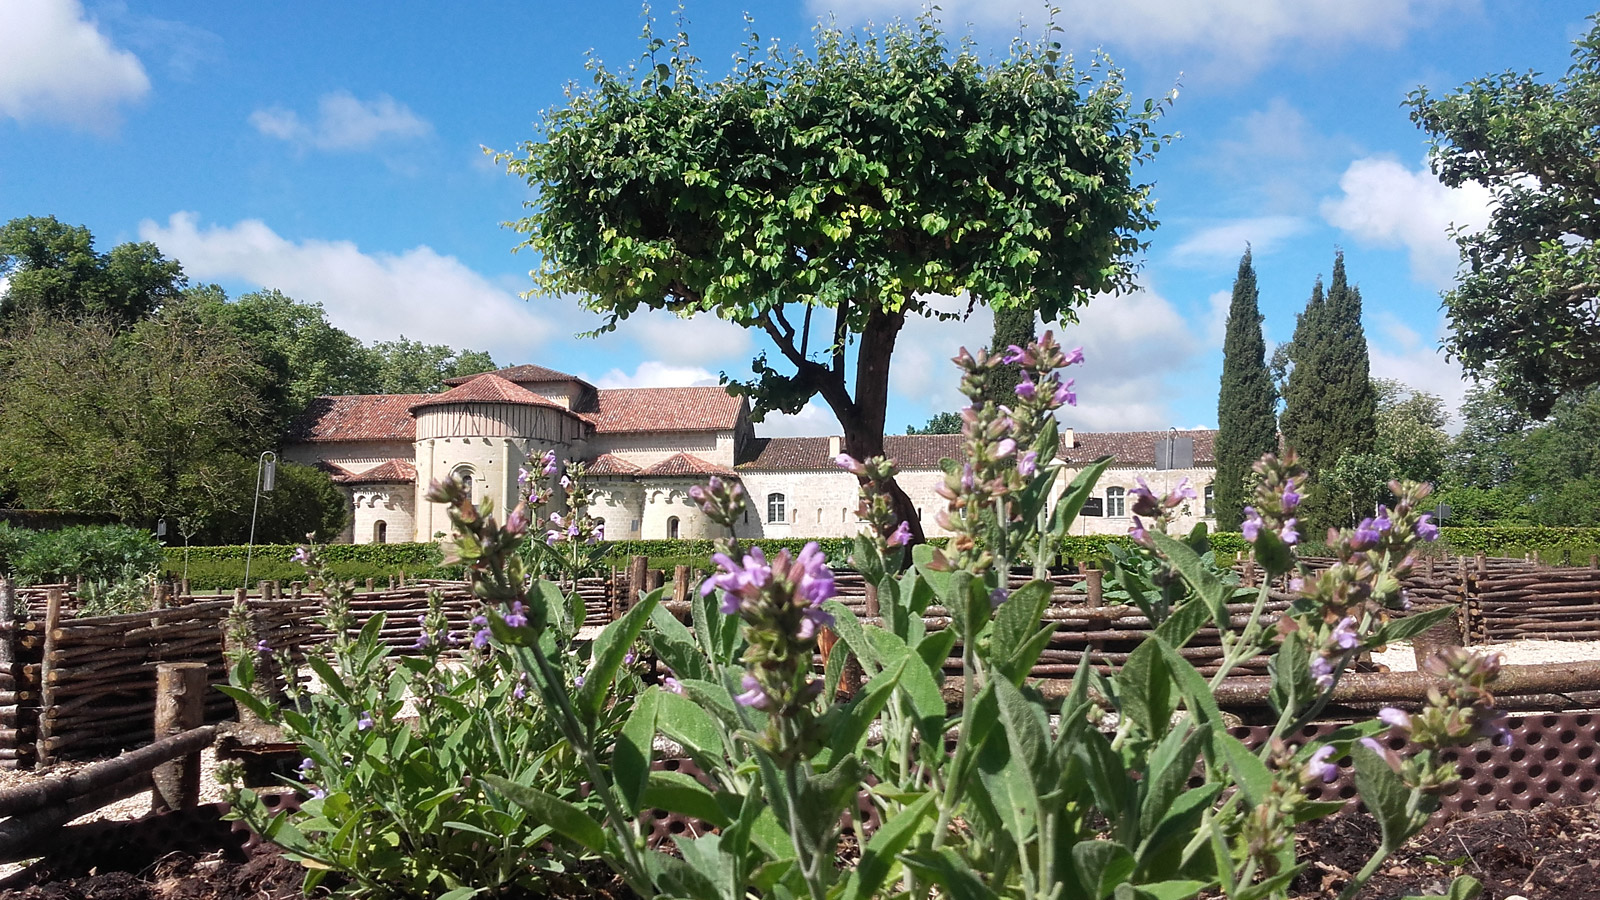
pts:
[333, 151]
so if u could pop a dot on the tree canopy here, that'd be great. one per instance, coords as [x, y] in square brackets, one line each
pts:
[411, 367]
[820, 196]
[1247, 404]
[938, 423]
[1525, 309]
[53, 268]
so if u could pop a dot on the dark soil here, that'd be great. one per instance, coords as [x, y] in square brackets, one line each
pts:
[180, 876]
[1549, 852]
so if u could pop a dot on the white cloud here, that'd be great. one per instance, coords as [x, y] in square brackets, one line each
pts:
[1398, 351]
[56, 65]
[343, 122]
[652, 373]
[1218, 305]
[696, 341]
[815, 419]
[1132, 345]
[1244, 33]
[375, 296]
[1227, 240]
[1387, 204]
[922, 376]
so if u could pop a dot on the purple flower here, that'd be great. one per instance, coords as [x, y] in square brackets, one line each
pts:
[1395, 718]
[1064, 394]
[522, 476]
[1184, 491]
[1366, 536]
[517, 522]
[738, 581]
[481, 639]
[549, 462]
[1388, 756]
[1322, 671]
[672, 686]
[1426, 530]
[421, 642]
[1028, 463]
[519, 692]
[901, 535]
[1005, 448]
[1026, 388]
[969, 478]
[306, 766]
[850, 464]
[317, 793]
[815, 582]
[1494, 728]
[1144, 500]
[753, 696]
[301, 555]
[365, 722]
[1319, 767]
[1251, 527]
[518, 615]
[1344, 634]
[262, 647]
[566, 483]
[1137, 532]
[577, 681]
[1291, 498]
[627, 658]
[998, 596]
[1288, 534]
[1013, 355]
[1074, 356]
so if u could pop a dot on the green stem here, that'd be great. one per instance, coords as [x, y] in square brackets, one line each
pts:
[1246, 638]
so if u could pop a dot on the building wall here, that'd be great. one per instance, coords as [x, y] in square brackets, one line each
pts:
[1191, 513]
[620, 503]
[353, 456]
[392, 504]
[648, 448]
[668, 498]
[493, 463]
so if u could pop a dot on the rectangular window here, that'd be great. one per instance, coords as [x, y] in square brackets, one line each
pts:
[1116, 502]
[1211, 501]
[775, 508]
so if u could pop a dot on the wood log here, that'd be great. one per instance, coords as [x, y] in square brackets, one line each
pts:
[51, 791]
[52, 618]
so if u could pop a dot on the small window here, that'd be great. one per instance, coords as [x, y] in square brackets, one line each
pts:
[380, 532]
[1116, 502]
[464, 474]
[775, 508]
[1211, 500]
[672, 528]
[844, 515]
[819, 515]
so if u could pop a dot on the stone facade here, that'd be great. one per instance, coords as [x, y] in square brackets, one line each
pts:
[646, 447]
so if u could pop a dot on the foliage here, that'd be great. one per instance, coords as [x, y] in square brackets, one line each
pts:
[1013, 327]
[939, 423]
[411, 367]
[49, 268]
[106, 553]
[859, 178]
[1330, 408]
[1510, 473]
[132, 591]
[1483, 455]
[1247, 404]
[156, 421]
[305, 500]
[1522, 311]
[400, 807]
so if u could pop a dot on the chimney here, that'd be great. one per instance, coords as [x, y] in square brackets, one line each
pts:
[833, 446]
[1067, 440]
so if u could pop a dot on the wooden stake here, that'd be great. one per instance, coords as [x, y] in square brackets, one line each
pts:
[47, 690]
[1096, 582]
[180, 707]
[680, 583]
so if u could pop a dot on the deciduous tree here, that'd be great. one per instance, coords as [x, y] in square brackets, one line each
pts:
[820, 196]
[50, 267]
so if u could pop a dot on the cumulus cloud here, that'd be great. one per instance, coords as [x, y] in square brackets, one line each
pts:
[1400, 352]
[815, 419]
[698, 341]
[421, 293]
[652, 373]
[1243, 32]
[342, 123]
[1385, 203]
[56, 65]
[1225, 241]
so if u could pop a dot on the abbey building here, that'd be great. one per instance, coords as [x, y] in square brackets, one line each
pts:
[644, 449]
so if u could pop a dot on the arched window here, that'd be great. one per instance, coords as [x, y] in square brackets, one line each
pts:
[672, 528]
[775, 510]
[819, 515]
[1116, 502]
[1211, 500]
[464, 475]
[380, 532]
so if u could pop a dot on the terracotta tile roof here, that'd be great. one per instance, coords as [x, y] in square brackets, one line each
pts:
[682, 465]
[357, 417]
[667, 409]
[488, 388]
[395, 471]
[610, 464]
[924, 451]
[527, 374]
[335, 472]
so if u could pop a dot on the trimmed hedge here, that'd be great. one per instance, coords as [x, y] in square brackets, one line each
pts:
[222, 568]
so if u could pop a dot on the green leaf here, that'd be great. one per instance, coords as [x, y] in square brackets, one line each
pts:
[1162, 890]
[1078, 491]
[1249, 772]
[950, 872]
[1169, 769]
[1206, 585]
[683, 794]
[1161, 852]
[921, 690]
[1026, 731]
[688, 723]
[1101, 866]
[610, 647]
[1385, 796]
[878, 857]
[853, 636]
[567, 820]
[630, 761]
[460, 893]
[675, 878]
[846, 726]
[1144, 689]
[1018, 618]
[1410, 626]
[1464, 887]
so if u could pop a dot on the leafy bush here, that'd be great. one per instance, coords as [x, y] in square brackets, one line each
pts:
[132, 592]
[92, 552]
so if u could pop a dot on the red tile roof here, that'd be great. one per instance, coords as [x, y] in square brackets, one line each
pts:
[667, 409]
[924, 451]
[357, 417]
[395, 471]
[528, 374]
[488, 388]
[610, 464]
[682, 465]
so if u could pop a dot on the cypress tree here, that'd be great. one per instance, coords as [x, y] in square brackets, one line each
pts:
[1330, 408]
[1011, 326]
[1247, 422]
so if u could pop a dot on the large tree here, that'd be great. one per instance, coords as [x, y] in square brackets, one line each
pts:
[820, 197]
[52, 268]
[1247, 404]
[1012, 328]
[1526, 310]
[1409, 445]
[412, 367]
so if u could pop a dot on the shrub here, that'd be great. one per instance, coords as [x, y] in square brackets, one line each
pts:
[92, 552]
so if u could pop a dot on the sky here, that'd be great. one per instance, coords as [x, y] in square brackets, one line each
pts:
[340, 153]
